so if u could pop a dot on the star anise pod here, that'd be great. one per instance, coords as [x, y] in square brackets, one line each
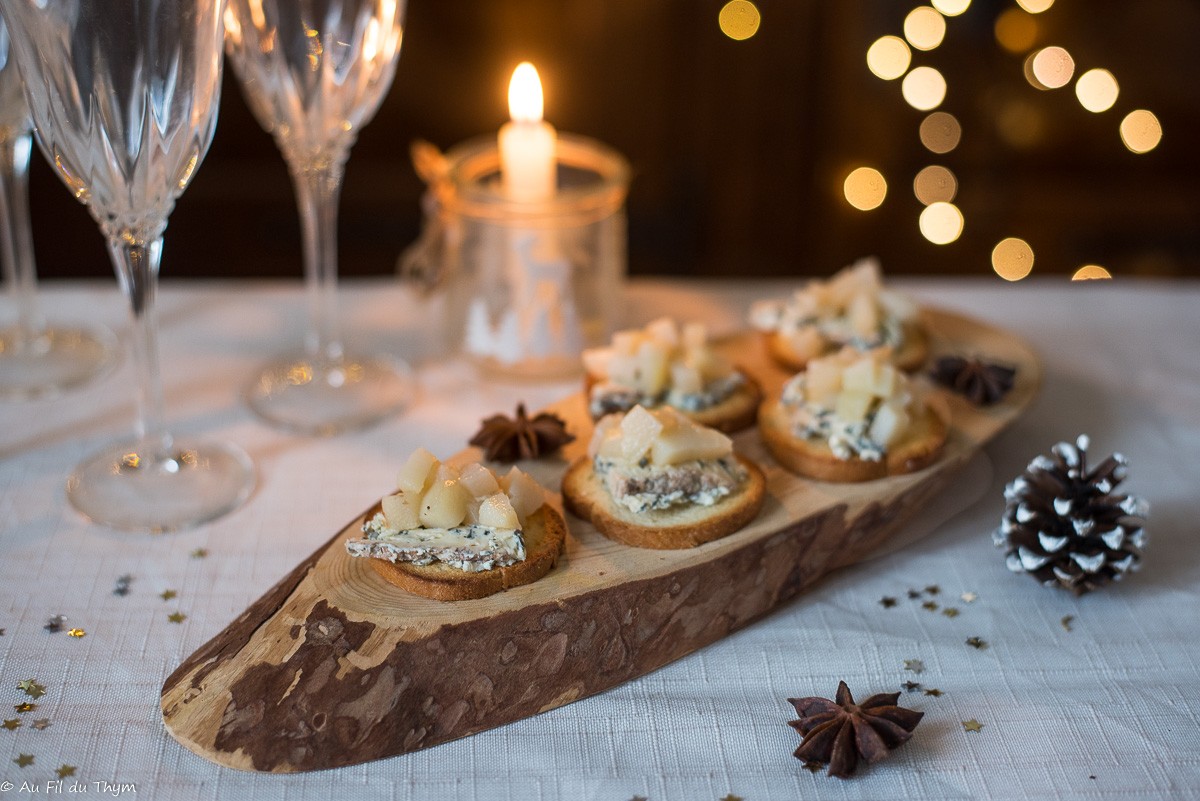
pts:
[839, 732]
[507, 439]
[983, 383]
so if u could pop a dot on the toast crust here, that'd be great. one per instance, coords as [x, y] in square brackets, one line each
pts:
[664, 529]
[920, 447]
[737, 412]
[545, 535]
[908, 357]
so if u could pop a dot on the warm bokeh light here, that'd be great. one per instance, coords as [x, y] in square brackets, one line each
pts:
[935, 184]
[941, 223]
[525, 94]
[940, 132]
[888, 57]
[1012, 259]
[951, 8]
[924, 28]
[1097, 90]
[1035, 6]
[1020, 123]
[1016, 31]
[739, 19]
[1091, 272]
[1141, 131]
[1050, 68]
[924, 88]
[865, 188]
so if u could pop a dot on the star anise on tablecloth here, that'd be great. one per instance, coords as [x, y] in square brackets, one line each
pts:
[507, 439]
[983, 383]
[840, 732]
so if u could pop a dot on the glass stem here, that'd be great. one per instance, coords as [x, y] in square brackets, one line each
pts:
[318, 189]
[136, 259]
[16, 237]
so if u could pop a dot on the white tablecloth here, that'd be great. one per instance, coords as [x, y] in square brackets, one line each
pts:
[1109, 709]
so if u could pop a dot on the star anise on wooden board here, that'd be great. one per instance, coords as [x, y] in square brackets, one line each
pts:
[840, 732]
[983, 383]
[507, 439]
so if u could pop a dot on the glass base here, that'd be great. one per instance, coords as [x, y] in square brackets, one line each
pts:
[57, 360]
[325, 397]
[126, 489]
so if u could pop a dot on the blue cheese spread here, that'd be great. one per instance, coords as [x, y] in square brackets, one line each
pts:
[471, 548]
[644, 486]
[608, 397]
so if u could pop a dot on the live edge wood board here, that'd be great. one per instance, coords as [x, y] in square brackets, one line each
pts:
[335, 667]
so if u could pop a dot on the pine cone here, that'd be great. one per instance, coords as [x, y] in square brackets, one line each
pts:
[840, 731]
[1065, 525]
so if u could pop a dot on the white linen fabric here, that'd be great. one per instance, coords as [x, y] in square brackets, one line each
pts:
[1108, 709]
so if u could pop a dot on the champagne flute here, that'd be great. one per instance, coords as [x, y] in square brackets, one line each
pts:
[124, 102]
[314, 73]
[36, 360]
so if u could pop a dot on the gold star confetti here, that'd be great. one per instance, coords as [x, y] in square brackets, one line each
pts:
[972, 725]
[76, 633]
[177, 617]
[930, 605]
[65, 771]
[23, 760]
[732, 797]
[41, 723]
[914, 594]
[25, 706]
[933, 589]
[887, 602]
[31, 688]
[950, 611]
[968, 597]
[1, 632]
[910, 686]
[935, 692]
[813, 766]
[199, 553]
[55, 624]
[123, 583]
[167, 595]
[1066, 622]
[915, 665]
[12, 724]
[976, 643]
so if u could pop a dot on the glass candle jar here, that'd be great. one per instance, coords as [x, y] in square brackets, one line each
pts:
[530, 284]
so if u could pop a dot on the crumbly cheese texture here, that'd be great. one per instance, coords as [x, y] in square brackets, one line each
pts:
[607, 397]
[645, 487]
[857, 404]
[850, 309]
[470, 548]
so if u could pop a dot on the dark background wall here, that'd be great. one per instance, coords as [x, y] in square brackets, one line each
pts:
[739, 148]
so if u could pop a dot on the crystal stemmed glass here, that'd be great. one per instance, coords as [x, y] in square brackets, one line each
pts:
[124, 102]
[314, 73]
[36, 360]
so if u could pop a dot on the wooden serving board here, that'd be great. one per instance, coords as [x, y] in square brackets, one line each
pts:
[334, 667]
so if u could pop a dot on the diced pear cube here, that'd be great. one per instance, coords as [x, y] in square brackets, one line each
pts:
[624, 369]
[596, 361]
[496, 511]
[665, 331]
[606, 439]
[472, 516]
[886, 378]
[695, 335]
[686, 379]
[444, 504]
[400, 512]
[805, 342]
[479, 481]
[860, 376]
[417, 472]
[639, 429]
[862, 276]
[652, 361]
[889, 424]
[852, 407]
[526, 495]
[863, 312]
[626, 343]
[823, 381]
[686, 441]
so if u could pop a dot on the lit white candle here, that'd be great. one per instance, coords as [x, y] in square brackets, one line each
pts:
[527, 162]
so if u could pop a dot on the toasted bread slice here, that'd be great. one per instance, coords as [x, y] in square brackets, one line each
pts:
[909, 356]
[920, 447]
[545, 534]
[664, 529]
[731, 415]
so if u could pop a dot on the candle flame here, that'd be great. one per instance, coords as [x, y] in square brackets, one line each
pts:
[525, 94]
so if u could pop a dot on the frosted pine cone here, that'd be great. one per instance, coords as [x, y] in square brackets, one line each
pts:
[1066, 526]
